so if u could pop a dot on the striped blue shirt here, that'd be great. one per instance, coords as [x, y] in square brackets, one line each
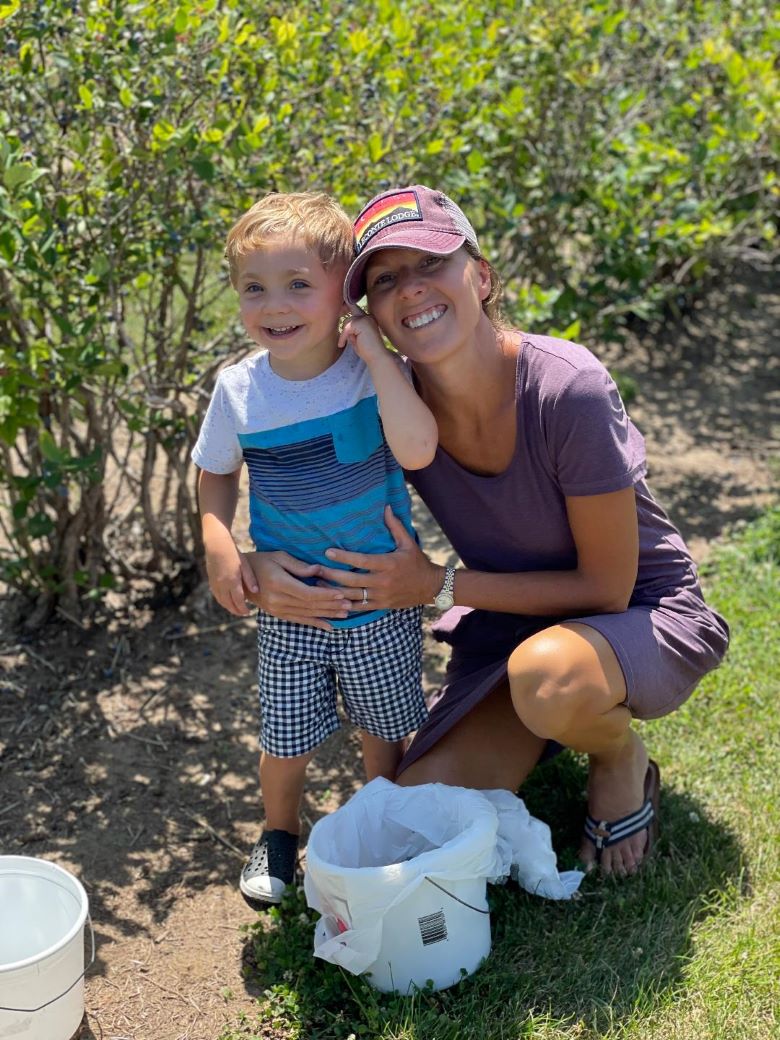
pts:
[320, 470]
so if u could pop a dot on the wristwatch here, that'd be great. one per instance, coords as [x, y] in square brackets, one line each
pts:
[446, 595]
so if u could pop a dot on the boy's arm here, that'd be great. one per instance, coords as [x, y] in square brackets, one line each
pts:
[227, 569]
[409, 425]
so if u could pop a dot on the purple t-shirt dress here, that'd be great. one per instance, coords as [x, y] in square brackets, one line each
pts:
[573, 438]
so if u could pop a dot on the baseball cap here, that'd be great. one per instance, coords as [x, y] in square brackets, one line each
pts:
[410, 218]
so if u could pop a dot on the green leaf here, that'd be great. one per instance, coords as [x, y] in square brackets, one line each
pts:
[25, 57]
[375, 150]
[614, 21]
[85, 94]
[475, 161]
[39, 525]
[203, 167]
[49, 449]
[22, 173]
[7, 245]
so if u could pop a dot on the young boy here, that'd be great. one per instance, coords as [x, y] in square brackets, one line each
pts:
[304, 415]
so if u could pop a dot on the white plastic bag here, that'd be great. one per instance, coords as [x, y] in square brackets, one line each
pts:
[526, 844]
[377, 849]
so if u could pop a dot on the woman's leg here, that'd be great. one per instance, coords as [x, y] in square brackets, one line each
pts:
[566, 685]
[489, 748]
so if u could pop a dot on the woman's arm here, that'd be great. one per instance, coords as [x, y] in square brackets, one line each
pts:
[605, 532]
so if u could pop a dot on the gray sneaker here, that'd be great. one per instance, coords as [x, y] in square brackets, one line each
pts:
[270, 868]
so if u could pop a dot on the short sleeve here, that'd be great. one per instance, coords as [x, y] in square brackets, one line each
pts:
[217, 448]
[593, 445]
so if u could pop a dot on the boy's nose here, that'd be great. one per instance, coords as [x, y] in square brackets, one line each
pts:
[276, 304]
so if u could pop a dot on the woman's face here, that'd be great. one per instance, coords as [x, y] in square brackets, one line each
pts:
[426, 304]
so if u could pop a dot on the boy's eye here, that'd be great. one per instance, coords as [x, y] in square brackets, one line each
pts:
[253, 287]
[299, 284]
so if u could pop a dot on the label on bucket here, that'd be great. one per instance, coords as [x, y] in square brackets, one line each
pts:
[433, 928]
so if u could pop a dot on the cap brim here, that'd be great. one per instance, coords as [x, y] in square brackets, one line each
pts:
[440, 243]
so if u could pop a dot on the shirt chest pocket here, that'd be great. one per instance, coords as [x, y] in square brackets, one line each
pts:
[357, 433]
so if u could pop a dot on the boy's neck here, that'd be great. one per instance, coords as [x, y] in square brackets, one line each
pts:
[309, 366]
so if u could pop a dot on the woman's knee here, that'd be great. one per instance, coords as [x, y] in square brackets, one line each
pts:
[554, 681]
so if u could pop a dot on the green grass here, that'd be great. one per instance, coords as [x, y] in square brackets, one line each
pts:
[687, 950]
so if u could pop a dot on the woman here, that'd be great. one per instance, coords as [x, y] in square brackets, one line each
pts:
[578, 607]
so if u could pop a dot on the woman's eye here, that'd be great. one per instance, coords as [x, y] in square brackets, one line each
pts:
[431, 261]
[381, 279]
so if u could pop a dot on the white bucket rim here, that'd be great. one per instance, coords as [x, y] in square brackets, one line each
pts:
[18, 862]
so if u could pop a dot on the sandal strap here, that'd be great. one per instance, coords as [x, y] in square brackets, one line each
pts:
[604, 833]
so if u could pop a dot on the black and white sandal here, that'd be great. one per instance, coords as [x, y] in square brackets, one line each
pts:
[604, 833]
[269, 869]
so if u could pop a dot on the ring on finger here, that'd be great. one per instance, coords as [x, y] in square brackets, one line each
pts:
[365, 597]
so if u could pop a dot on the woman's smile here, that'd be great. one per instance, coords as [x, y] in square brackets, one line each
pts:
[423, 318]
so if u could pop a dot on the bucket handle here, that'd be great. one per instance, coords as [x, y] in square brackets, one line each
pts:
[452, 895]
[30, 1011]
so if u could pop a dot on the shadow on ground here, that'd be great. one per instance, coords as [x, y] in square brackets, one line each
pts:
[590, 960]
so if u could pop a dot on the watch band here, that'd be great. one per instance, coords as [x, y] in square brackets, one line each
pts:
[445, 598]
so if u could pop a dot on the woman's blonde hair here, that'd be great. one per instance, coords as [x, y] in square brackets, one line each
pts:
[312, 216]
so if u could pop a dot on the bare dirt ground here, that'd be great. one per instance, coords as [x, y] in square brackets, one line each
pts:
[128, 753]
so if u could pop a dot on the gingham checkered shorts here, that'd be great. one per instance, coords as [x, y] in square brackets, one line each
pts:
[377, 667]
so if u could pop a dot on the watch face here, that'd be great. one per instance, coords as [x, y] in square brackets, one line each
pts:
[444, 601]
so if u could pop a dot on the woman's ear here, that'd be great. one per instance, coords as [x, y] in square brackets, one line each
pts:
[485, 280]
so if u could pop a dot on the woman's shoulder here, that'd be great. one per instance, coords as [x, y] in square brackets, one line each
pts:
[561, 354]
[559, 368]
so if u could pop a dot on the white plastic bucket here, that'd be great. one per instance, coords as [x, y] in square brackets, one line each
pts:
[439, 933]
[399, 877]
[43, 910]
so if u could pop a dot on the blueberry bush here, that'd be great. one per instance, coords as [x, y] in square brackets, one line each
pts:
[610, 155]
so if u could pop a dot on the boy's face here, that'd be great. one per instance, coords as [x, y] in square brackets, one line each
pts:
[290, 304]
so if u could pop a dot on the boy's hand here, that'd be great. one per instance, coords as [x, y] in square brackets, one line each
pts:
[362, 332]
[229, 574]
[282, 593]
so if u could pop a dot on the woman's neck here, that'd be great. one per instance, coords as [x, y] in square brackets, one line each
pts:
[472, 396]
[473, 377]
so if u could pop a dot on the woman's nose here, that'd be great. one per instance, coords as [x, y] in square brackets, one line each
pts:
[410, 284]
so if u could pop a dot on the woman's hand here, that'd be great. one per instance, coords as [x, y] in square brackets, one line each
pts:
[282, 594]
[404, 578]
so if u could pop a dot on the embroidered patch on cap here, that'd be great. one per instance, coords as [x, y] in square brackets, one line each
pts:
[392, 209]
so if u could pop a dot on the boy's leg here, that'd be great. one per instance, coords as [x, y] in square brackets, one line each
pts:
[271, 864]
[380, 674]
[381, 757]
[281, 784]
[298, 711]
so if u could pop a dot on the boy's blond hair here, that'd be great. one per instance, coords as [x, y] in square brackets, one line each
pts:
[313, 216]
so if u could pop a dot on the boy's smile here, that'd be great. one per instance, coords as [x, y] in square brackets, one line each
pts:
[290, 304]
